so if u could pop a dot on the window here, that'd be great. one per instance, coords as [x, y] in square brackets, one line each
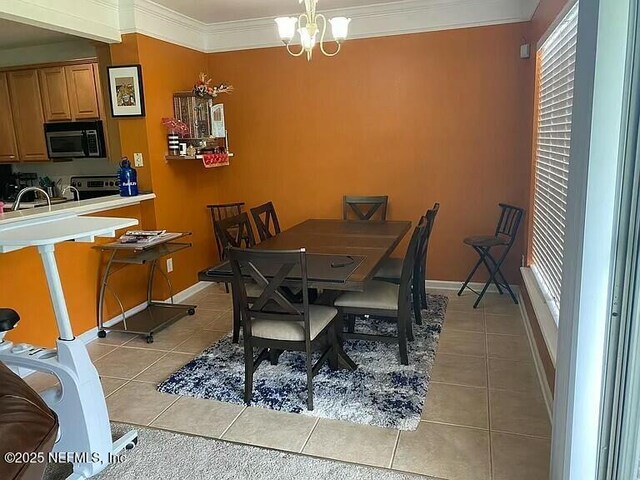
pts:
[555, 73]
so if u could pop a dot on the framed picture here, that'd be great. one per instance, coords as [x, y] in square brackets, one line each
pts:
[125, 91]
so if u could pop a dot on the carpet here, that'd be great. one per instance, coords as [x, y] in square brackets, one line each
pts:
[164, 455]
[380, 392]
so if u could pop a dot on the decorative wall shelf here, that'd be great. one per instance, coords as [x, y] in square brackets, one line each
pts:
[188, 157]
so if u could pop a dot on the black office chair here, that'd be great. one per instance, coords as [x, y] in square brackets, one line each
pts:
[266, 220]
[504, 237]
[365, 208]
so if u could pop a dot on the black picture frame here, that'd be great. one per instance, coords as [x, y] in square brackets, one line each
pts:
[134, 72]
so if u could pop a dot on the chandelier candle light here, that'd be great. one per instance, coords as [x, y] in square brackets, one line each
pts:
[307, 26]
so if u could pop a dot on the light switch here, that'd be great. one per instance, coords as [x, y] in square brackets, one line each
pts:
[137, 160]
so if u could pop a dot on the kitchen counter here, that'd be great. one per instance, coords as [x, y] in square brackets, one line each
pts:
[69, 209]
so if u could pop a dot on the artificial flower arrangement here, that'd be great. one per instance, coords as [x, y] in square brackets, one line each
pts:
[176, 126]
[203, 87]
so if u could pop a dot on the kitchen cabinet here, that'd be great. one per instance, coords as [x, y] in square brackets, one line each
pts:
[55, 96]
[83, 95]
[8, 145]
[28, 118]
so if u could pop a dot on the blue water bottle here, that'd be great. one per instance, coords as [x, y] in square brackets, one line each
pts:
[128, 179]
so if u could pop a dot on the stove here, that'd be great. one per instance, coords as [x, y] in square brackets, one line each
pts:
[96, 186]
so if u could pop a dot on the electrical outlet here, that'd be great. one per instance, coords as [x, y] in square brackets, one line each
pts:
[137, 160]
[169, 265]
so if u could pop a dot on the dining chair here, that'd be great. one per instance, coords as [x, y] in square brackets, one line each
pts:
[218, 212]
[391, 268]
[272, 322]
[235, 231]
[386, 300]
[266, 220]
[365, 207]
[504, 237]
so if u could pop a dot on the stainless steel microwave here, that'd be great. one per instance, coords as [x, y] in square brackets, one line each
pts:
[75, 139]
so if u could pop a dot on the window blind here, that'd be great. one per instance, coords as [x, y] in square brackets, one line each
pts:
[555, 70]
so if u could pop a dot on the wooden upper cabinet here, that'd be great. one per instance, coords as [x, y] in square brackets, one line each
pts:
[55, 97]
[8, 145]
[83, 96]
[28, 119]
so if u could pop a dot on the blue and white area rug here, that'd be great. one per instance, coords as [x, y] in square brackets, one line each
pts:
[379, 392]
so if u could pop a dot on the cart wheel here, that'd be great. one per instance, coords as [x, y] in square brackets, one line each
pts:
[102, 334]
[132, 443]
[149, 338]
[191, 311]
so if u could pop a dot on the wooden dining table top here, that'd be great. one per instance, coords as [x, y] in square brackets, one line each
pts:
[369, 242]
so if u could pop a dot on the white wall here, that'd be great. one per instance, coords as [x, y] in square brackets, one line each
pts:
[51, 52]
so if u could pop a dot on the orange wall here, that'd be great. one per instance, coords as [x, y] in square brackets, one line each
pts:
[183, 188]
[24, 287]
[441, 116]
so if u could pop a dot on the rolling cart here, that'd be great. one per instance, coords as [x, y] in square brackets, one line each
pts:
[157, 314]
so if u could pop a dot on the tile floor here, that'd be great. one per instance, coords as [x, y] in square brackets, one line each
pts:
[484, 417]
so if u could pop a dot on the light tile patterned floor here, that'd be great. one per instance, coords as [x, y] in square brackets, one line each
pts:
[484, 417]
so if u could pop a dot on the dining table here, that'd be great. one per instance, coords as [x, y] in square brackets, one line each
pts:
[342, 255]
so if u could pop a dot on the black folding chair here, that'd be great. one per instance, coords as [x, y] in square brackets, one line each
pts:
[365, 208]
[504, 238]
[266, 220]
[272, 322]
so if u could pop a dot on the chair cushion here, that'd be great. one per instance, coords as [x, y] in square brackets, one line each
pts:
[485, 241]
[319, 317]
[390, 270]
[377, 295]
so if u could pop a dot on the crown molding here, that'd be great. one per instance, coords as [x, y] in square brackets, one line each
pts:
[157, 21]
[93, 19]
[105, 20]
[397, 18]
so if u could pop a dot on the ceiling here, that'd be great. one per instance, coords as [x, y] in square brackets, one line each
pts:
[215, 11]
[15, 35]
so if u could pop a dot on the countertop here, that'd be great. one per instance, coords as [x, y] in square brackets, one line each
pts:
[69, 209]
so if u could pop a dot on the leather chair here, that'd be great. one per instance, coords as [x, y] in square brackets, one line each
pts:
[27, 424]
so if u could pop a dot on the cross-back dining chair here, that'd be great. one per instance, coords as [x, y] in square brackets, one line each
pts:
[220, 211]
[504, 237]
[391, 268]
[386, 300]
[266, 220]
[365, 207]
[236, 231]
[272, 321]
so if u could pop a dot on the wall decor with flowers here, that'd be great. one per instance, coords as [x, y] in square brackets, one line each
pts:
[198, 130]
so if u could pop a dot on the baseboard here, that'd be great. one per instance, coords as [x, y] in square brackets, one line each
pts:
[92, 334]
[455, 285]
[537, 360]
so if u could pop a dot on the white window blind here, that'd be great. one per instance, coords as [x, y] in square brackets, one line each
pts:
[556, 67]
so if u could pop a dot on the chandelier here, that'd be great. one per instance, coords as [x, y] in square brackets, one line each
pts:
[307, 25]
